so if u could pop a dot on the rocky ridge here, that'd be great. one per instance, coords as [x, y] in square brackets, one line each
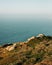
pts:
[35, 51]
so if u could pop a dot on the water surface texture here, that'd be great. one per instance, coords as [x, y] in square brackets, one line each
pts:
[14, 30]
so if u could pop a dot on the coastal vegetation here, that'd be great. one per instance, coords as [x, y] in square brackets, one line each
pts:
[35, 51]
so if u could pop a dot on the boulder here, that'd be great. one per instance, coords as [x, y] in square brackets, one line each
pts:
[31, 38]
[40, 35]
[10, 48]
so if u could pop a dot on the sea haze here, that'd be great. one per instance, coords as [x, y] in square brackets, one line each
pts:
[15, 30]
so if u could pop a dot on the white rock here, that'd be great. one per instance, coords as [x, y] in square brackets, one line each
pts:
[10, 48]
[40, 35]
[31, 38]
[14, 45]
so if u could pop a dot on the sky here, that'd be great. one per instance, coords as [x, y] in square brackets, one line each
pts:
[26, 7]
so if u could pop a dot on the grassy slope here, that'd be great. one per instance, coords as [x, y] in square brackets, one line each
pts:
[37, 51]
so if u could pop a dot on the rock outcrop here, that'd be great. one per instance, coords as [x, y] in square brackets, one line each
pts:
[40, 35]
[10, 48]
[35, 51]
[31, 38]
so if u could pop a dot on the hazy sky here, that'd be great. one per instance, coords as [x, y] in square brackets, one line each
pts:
[26, 7]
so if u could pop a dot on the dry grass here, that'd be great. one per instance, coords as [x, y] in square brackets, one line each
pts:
[35, 52]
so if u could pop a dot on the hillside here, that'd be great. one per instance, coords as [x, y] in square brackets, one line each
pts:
[35, 51]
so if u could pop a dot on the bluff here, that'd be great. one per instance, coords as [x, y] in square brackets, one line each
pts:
[37, 50]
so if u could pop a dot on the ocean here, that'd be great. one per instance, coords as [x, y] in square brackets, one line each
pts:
[17, 30]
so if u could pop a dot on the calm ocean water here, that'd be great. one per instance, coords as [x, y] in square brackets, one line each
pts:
[14, 30]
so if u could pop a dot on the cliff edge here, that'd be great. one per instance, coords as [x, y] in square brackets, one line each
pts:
[37, 50]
